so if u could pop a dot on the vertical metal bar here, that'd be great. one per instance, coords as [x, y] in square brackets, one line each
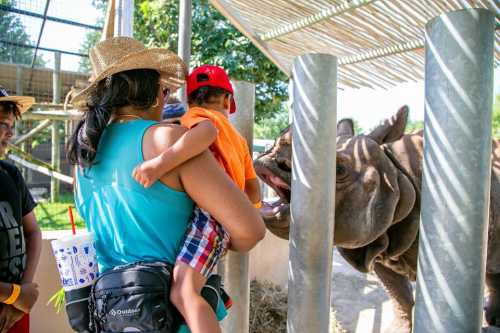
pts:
[290, 101]
[56, 160]
[127, 18]
[19, 80]
[184, 43]
[118, 18]
[56, 140]
[19, 123]
[19, 92]
[456, 172]
[56, 79]
[235, 265]
[313, 193]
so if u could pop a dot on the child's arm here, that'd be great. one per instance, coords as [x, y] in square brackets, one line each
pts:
[252, 185]
[252, 189]
[192, 143]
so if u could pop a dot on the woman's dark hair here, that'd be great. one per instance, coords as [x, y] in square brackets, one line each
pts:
[9, 107]
[205, 94]
[138, 88]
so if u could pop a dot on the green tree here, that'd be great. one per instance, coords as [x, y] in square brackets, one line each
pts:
[92, 37]
[13, 31]
[215, 41]
[412, 126]
[271, 127]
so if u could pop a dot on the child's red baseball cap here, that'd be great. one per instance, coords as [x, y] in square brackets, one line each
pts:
[217, 78]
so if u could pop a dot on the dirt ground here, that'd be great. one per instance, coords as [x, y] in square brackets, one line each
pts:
[359, 304]
[359, 301]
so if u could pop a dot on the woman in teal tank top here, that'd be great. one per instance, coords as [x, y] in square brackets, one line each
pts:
[119, 130]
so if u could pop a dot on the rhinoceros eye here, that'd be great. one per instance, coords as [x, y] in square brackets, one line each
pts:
[341, 172]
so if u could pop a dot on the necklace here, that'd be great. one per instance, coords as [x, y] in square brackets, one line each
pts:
[118, 118]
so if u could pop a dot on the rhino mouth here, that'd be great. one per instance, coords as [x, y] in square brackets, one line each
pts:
[275, 212]
[274, 208]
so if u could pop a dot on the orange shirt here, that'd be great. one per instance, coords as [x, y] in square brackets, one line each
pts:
[229, 148]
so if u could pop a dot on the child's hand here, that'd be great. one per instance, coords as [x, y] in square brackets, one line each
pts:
[148, 172]
[27, 298]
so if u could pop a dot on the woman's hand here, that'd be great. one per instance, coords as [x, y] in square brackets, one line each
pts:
[9, 315]
[212, 189]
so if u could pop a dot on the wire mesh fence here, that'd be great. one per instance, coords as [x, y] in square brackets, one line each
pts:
[33, 32]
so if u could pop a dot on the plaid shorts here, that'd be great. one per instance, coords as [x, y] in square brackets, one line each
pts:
[204, 244]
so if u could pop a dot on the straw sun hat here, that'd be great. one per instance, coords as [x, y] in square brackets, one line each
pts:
[120, 54]
[23, 102]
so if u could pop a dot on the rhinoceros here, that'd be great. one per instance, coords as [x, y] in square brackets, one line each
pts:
[377, 207]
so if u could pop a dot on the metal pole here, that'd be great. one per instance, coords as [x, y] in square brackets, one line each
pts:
[56, 148]
[118, 18]
[313, 193]
[184, 43]
[19, 124]
[19, 92]
[56, 79]
[235, 265]
[127, 18]
[456, 172]
[290, 101]
[19, 80]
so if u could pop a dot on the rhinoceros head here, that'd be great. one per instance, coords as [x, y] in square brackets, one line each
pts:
[371, 194]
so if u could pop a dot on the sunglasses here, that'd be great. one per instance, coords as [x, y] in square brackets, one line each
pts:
[165, 90]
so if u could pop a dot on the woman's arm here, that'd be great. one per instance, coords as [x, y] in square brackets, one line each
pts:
[252, 189]
[209, 186]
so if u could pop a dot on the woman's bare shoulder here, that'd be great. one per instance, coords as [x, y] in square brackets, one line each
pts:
[163, 135]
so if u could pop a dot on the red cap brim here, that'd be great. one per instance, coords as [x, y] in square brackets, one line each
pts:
[232, 108]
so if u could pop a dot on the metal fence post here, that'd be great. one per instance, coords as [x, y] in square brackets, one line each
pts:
[456, 172]
[56, 140]
[127, 17]
[235, 265]
[184, 43]
[124, 18]
[19, 124]
[313, 193]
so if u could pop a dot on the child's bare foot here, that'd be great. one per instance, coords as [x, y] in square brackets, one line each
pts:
[148, 172]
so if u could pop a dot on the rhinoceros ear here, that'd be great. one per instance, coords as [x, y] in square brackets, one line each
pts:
[345, 127]
[391, 129]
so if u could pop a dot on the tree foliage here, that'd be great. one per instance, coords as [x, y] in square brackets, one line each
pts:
[495, 123]
[412, 126]
[271, 127]
[13, 31]
[92, 37]
[215, 41]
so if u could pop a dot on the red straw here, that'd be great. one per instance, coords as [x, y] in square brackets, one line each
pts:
[70, 212]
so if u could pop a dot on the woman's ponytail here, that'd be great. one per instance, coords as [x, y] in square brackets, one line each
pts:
[138, 88]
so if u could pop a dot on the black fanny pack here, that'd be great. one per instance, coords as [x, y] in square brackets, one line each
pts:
[134, 298]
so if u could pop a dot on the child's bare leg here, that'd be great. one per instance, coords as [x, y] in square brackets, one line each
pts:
[186, 296]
